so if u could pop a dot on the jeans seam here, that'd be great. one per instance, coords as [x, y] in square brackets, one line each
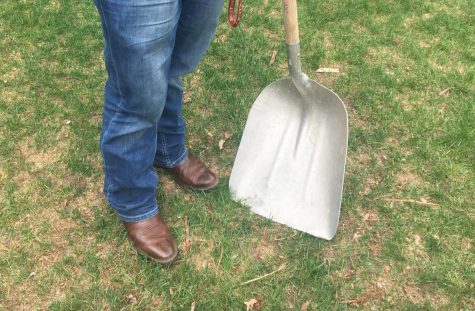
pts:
[164, 149]
[106, 131]
[179, 159]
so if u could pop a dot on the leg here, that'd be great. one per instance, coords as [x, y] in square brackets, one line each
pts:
[196, 28]
[139, 37]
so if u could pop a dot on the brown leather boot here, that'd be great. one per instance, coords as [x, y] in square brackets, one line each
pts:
[151, 237]
[194, 174]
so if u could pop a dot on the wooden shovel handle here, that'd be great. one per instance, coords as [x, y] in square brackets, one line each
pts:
[291, 23]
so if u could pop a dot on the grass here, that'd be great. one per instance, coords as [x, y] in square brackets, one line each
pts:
[406, 237]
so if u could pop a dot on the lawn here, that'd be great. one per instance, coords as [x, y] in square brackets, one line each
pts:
[407, 226]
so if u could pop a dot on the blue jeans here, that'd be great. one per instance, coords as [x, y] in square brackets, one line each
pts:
[148, 45]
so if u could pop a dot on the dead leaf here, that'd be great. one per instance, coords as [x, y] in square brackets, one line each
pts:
[221, 144]
[221, 38]
[68, 122]
[328, 70]
[250, 304]
[305, 305]
[272, 58]
[356, 237]
[193, 306]
[209, 133]
[227, 136]
[131, 299]
[380, 284]
[417, 240]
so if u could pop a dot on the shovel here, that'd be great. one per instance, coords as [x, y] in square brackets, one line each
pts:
[290, 163]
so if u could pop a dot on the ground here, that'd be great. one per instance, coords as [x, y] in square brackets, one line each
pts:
[407, 226]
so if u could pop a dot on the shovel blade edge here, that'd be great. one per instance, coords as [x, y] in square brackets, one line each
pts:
[291, 160]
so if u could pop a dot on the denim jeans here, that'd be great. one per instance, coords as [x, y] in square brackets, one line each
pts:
[148, 45]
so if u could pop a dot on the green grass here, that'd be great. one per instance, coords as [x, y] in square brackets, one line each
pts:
[406, 236]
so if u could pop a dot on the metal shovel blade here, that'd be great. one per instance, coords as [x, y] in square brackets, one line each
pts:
[291, 160]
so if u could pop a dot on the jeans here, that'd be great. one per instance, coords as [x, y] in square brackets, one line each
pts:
[148, 45]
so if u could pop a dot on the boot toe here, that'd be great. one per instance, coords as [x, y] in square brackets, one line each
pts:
[152, 238]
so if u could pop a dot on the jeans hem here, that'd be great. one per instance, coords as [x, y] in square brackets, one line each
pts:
[175, 163]
[139, 218]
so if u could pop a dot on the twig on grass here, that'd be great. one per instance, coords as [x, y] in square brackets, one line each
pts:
[220, 258]
[272, 58]
[263, 276]
[287, 237]
[424, 203]
[188, 242]
[443, 92]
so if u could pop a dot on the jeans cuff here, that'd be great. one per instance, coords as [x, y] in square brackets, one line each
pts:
[147, 215]
[177, 162]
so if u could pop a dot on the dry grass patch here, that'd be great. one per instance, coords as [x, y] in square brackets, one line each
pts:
[13, 95]
[359, 161]
[92, 197]
[26, 185]
[408, 178]
[369, 184]
[201, 256]
[386, 287]
[39, 159]
[414, 249]
[48, 247]
[389, 58]
[262, 248]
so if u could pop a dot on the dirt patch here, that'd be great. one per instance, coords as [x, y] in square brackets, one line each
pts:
[91, 198]
[385, 286]
[25, 187]
[344, 274]
[42, 158]
[414, 294]
[292, 296]
[262, 248]
[359, 161]
[167, 183]
[408, 178]
[47, 247]
[53, 6]
[375, 245]
[369, 184]
[12, 75]
[414, 248]
[15, 95]
[202, 257]
[330, 254]
[372, 294]
[466, 244]
[429, 43]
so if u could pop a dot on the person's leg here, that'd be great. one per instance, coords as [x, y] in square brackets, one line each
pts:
[196, 28]
[139, 38]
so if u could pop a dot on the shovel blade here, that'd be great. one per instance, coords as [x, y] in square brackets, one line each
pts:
[291, 160]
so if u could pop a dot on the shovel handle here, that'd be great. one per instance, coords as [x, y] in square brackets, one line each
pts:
[291, 23]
